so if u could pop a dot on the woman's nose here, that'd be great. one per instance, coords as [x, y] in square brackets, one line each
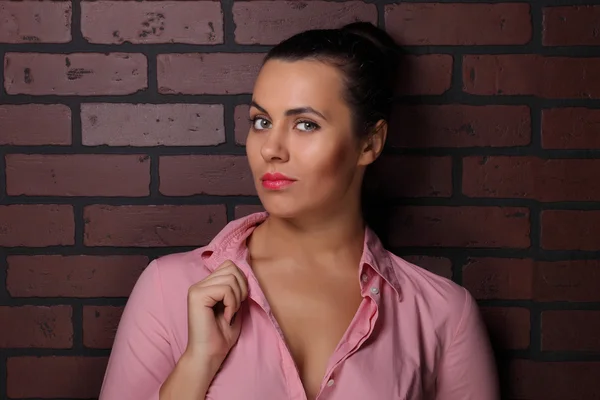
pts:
[274, 148]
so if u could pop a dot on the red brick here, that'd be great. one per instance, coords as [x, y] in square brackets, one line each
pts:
[100, 326]
[572, 280]
[51, 125]
[459, 24]
[152, 124]
[216, 73]
[413, 176]
[531, 178]
[509, 327]
[115, 22]
[429, 74]
[573, 330]
[35, 22]
[435, 226]
[73, 276]
[571, 26]
[74, 74]
[36, 326]
[214, 175]
[499, 278]
[529, 74]
[570, 128]
[553, 380]
[77, 175]
[269, 22]
[456, 125]
[247, 209]
[48, 377]
[152, 226]
[438, 265]
[242, 123]
[36, 225]
[570, 230]
[526, 279]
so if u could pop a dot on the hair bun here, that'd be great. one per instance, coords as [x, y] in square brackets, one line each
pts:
[378, 37]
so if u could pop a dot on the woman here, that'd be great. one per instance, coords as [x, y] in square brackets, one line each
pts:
[302, 301]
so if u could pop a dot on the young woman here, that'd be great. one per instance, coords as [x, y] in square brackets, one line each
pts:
[302, 301]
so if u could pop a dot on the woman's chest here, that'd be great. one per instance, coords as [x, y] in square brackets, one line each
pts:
[368, 364]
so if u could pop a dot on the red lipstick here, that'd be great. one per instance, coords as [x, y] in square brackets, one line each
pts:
[276, 181]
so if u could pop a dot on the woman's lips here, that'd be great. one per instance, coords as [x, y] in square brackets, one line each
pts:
[276, 181]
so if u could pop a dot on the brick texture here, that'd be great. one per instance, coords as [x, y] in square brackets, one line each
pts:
[573, 330]
[527, 279]
[438, 265]
[73, 276]
[459, 126]
[429, 74]
[509, 327]
[51, 125]
[497, 227]
[48, 377]
[243, 210]
[74, 74]
[123, 127]
[570, 230]
[527, 74]
[572, 281]
[553, 380]
[36, 327]
[570, 128]
[489, 278]
[100, 325]
[215, 175]
[211, 73]
[571, 25]
[152, 226]
[77, 175]
[269, 22]
[115, 22]
[459, 24]
[412, 177]
[36, 225]
[152, 124]
[35, 22]
[531, 178]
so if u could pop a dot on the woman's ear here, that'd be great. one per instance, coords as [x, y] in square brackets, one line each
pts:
[372, 146]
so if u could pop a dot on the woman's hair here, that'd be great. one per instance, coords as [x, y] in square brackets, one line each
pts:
[366, 56]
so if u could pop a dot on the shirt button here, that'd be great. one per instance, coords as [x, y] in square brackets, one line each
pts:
[330, 382]
[364, 278]
[374, 290]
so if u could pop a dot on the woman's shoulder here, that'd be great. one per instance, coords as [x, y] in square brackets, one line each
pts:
[180, 269]
[446, 302]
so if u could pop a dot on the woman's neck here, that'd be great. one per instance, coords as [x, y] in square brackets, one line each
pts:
[303, 239]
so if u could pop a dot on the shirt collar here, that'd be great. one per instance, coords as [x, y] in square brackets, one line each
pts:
[230, 243]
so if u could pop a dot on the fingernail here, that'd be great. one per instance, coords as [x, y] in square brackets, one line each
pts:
[232, 319]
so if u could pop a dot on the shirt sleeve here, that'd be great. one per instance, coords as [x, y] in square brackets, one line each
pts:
[141, 358]
[468, 369]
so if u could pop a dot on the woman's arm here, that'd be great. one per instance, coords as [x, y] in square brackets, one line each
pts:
[189, 380]
[468, 370]
[141, 358]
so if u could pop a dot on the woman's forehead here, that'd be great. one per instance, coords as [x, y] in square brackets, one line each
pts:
[284, 85]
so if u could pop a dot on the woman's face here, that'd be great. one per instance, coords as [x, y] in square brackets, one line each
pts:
[301, 127]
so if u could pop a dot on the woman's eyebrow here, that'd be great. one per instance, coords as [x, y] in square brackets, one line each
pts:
[293, 111]
[304, 110]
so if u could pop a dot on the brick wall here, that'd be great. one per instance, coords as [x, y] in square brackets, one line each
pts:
[109, 110]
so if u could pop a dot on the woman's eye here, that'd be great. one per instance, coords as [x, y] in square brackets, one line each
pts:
[260, 123]
[307, 126]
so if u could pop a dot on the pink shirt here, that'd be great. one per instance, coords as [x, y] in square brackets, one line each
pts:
[415, 336]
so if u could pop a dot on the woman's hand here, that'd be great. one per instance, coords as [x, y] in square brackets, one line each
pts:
[213, 303]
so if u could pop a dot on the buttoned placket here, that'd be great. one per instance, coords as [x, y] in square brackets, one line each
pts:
[371, 300]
